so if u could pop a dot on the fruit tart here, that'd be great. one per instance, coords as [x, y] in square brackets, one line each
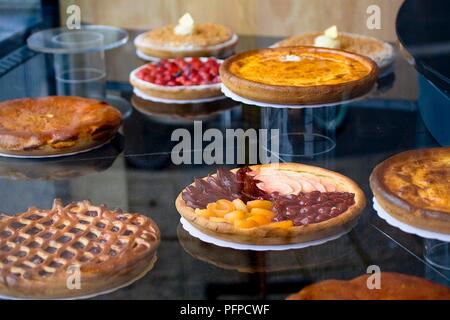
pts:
[414, 187]
[298, 75]
[393, 286]
[272, 204]
[178, 79]
[379, 51]
[187, 39]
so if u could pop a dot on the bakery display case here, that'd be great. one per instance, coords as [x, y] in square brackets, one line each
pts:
[189, 158]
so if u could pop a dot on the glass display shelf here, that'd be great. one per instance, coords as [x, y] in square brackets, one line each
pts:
[136, 173]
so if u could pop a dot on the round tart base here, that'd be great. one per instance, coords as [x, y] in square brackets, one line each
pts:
[298, 94]
[209, 237]
[87, 295]
[49, 153]
[265, 235]
[406, 227]
[230, 94]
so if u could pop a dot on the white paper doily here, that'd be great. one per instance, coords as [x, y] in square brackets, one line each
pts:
[193, 231]
[227, 92]
[54, 155]
[144, 96]
[407, 228]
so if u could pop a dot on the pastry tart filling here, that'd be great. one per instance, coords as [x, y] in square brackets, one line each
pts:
[272, 204]
[250, 198]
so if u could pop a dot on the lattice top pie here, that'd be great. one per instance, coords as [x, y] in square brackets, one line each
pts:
[55, 125]
[38, 248]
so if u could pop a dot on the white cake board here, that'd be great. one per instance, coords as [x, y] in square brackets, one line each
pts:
[144, 96]
[53, 155]
[193, 231]
[227, 92]
[406, 227]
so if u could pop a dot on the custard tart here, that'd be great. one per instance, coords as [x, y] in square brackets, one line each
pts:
[299, 75]
[272, 204]
[57, 125]
[414, 187]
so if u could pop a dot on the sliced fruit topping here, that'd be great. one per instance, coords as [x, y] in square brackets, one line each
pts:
[253, 214]
[236, 198]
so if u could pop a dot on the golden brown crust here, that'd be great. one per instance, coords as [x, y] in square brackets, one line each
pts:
[414, 187]
[184, 93]
[394, 286]
[110, 248]
[222, 52]
[266, 235]
[316, 93]
[55, 125]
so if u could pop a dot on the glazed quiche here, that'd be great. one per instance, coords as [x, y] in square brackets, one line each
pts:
[379, 51]
[178, 79]
[272, 204]
[187, 39]
[42, 251]
[414, 187]
[394, 286]
[299, 75]
[55, 125]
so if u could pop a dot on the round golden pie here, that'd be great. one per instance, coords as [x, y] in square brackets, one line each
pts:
[207, 39]
[272, 204]
[299, 75]
[55, 125]
[414, 187]
[75, 250]
[393, 286]
[379, 51]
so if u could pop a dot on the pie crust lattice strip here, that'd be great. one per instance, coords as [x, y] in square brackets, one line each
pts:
[37, 248]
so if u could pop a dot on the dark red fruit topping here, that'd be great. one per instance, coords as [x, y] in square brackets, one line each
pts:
[181, 72]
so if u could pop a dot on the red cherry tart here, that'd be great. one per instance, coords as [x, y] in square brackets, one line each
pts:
[181, 72]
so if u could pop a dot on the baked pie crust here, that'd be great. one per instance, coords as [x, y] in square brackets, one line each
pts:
[414, 187]
[299, 75]
[379, 51]
[207, 39]
[55, 125]
[267, 235]
[38, 248]
[394, 286]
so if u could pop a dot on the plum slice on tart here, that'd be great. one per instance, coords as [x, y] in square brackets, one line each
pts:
[272, 204]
